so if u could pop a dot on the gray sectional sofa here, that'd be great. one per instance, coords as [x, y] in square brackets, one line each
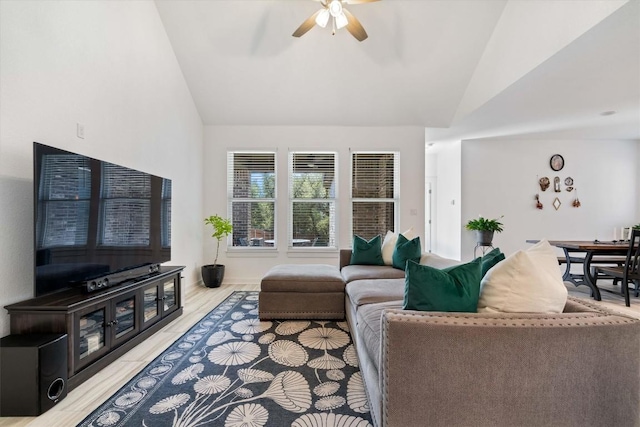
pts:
[577, 368]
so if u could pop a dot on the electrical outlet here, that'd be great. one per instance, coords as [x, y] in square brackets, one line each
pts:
[80, 130]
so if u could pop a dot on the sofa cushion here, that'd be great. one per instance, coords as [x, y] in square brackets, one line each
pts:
[360, 272]
[367, 252]
[490, 259]
[368, 324]
[302, 278]
[436, 261]
[526, 282]
[406, 250]
[374, 291]
[451, 289]
[389, 244]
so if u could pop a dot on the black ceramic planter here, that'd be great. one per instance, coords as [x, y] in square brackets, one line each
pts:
[212, 275]
[484, 238]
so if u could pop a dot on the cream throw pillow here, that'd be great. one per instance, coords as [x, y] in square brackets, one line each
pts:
[389, 244]
[526, 282]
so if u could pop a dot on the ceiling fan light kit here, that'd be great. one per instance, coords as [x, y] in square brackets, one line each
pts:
[323, 18]
[341, 18]
[341, 21]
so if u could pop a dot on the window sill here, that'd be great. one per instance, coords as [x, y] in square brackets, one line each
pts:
[312, 253]
[252, 253]
[274, 252]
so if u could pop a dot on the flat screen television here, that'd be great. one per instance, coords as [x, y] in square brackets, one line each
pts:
[93, 219]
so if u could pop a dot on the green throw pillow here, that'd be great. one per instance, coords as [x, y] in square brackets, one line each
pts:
[406, 250]
[454, 288]
[490, 259]
[367, 252]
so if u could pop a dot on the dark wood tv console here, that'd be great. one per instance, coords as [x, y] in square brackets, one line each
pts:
[103, 325]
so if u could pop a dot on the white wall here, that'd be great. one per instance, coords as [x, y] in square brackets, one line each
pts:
[444, 164]
[409, 141]
[638, 180]
[109, 66]
[500, 177]
[540, 28]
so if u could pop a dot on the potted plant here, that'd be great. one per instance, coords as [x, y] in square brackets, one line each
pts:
[212, 274]
[484, 229]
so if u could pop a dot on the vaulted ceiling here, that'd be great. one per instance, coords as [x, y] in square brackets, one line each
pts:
[464, 68]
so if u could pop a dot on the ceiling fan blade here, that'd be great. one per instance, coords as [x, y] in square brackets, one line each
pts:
[306, 25]
[354, 27]
[359, 1]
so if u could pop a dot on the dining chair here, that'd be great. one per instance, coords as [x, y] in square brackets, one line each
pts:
[629, 272]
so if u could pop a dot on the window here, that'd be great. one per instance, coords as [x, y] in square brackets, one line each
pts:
[312, 195]
[374, 192]
[251, 188]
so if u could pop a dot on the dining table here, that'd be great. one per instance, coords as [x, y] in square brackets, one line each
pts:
[588, 253]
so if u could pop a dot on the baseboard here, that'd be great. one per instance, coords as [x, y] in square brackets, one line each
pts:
[242, 281]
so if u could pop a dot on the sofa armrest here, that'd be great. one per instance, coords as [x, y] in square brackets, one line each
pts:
[345, 257]
[459, 369]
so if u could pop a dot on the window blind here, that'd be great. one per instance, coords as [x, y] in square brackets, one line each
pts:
[312, 195]
[374, 192]
[251, 187]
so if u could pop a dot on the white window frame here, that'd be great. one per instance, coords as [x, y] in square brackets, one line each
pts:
[231, 199]
[396, 188]
[333, 224]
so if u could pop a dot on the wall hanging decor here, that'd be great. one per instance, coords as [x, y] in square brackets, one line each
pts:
[544, 183]
[576, 202]
[538, 204]
[556, 162]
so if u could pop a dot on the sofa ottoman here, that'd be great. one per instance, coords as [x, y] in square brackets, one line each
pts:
[302, 291]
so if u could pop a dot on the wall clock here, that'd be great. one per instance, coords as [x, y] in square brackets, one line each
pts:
[556, 162]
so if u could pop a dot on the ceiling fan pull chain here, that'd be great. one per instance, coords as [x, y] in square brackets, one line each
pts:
[333, 32]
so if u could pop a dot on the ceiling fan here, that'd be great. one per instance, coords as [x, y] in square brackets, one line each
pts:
[340, 17]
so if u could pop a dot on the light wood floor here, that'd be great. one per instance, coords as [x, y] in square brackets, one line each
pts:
[611, 299]
[197, 302]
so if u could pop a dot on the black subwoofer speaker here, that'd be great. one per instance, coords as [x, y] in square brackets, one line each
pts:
[33, 373]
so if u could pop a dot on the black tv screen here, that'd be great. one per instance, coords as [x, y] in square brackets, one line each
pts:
[93, 218]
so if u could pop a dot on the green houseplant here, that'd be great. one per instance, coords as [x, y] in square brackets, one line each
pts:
[212, 274]
[485, 228]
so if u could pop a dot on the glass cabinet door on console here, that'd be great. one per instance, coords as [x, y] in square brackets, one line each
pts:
[151, 301]
[169, 296]
[91, 334]
[160, 298]
[123, 322]
[103, 327]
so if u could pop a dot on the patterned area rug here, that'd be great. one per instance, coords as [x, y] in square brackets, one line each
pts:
[233, 370]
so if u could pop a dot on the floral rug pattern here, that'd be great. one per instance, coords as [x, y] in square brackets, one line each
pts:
[233, 370]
